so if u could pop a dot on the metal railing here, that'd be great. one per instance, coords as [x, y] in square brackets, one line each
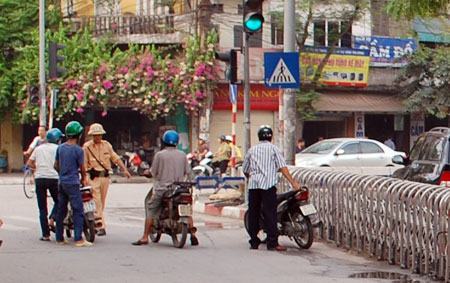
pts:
[403, 222]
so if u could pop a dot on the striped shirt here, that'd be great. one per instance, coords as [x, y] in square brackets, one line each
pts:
[262, 163]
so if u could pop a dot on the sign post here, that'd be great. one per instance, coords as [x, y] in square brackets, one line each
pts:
[233, 100]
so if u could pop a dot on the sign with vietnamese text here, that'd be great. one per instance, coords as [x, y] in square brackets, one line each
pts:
[359, 125]
[261, 98]
[345, 67]
[386, 51]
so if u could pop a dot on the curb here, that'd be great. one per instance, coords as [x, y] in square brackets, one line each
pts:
[236, 212]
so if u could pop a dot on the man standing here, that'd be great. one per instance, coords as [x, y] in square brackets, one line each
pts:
[261, 165]
[98, 155]
[300, 145]
[38, 140]
[69, 162]
[42, 160]
[170, 165]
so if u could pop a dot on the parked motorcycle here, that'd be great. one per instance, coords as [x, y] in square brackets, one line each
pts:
[296, 217]
[135, 163]
[89, 219]
[175, 214]
[205, 167]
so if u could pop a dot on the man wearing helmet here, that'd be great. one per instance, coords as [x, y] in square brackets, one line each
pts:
[169, 165]
[222, 156]
[98, 155]
[42, 161]
[261, 165]
[69, 162]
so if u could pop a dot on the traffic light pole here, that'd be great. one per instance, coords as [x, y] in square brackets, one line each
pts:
[247, 137]
[42, 86]
[289, 100]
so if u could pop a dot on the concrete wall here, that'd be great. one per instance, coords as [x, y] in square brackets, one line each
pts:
[11, 141]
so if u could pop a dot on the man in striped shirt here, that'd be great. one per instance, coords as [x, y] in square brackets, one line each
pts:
[261, 166]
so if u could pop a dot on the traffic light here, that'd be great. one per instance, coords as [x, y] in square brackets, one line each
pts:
[54, 61]
[253, 18]
[230, 58]
[33, 95]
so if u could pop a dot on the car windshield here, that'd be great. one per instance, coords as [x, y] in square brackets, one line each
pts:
[429, 148]
[322, 147]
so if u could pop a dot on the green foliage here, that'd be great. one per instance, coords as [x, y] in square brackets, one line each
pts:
[305, 100]
[411, 9]
[425, 81]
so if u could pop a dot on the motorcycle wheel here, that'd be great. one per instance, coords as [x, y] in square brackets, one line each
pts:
[179, 243]
[89, 230]
[304, 236]
[155, 236]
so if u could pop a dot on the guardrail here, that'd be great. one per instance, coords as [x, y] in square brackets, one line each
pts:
[403, 222]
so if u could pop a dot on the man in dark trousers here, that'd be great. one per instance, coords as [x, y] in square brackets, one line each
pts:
[261, 165]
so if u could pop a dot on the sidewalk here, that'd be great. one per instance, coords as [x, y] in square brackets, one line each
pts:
[17, 179]
[221, 209]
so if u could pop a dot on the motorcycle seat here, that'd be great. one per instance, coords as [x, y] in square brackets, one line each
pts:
[284, 196]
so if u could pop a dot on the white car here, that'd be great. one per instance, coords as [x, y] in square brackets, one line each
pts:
[362, 156]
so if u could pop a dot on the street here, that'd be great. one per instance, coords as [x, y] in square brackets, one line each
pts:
[223, 254]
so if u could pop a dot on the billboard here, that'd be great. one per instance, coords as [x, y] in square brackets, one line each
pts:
[261, 98]
[386, 51]
[345, 67]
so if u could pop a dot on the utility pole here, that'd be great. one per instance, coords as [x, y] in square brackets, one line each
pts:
[247, 137]
[42, 86]
[289, 101]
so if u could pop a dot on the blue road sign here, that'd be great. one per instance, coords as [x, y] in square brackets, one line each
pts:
[233, 93]
[281, 70]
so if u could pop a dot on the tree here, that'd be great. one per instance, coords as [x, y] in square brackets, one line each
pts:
[410, 9]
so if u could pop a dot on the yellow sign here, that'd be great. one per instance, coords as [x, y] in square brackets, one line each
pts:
[345, 67]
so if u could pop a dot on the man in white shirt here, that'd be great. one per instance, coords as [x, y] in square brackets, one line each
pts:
[42, 160]
[38, 140]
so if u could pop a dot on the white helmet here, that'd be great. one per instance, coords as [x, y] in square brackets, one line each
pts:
[229, 138]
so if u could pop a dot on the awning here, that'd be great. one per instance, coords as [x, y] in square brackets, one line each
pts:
[350, 102]
[433, 30]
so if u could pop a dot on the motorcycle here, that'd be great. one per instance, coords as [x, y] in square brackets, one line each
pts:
[175, 214]
[89, 219]
[135, 163]
[296, 217]
[205, 167]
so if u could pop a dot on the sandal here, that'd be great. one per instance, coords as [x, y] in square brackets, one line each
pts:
[52, 228]
[140, 243]
[45, 239]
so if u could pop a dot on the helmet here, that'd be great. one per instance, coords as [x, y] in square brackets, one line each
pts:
[96, 129]
[170, 137]
[73, 129]
[229, 138]
[223, 138]
[265, 133]
[54, 135]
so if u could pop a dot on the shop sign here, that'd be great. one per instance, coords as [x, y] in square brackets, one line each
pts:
[260, 98]
[345, 67]
[417, 127]
[359, 125]
[386, 51]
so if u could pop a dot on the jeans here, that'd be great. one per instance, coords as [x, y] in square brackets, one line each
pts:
[69, 193]
[42, 185]
[268, 200]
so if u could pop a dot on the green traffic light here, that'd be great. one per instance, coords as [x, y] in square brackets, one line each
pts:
[254, 22]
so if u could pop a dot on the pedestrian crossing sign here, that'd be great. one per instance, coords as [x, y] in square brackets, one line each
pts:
[281, 70]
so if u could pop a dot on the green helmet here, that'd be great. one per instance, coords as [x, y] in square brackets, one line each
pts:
[73, 129]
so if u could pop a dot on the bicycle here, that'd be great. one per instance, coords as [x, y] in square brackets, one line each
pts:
[28, 182]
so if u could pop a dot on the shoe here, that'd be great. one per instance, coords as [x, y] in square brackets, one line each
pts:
[194, 241]
[278, 248]
[45, 239]
[101, 232]
[52, 228]
[83, 244]
[254, 247]
[139, 243]
[63, 242]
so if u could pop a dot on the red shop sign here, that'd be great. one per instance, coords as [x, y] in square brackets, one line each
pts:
[261, 98]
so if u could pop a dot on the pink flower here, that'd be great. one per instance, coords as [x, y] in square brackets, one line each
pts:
[91, 98]
[102, 69]
[150, 72]
[79, 110]
[107, 84]
[104, 113]
[126, 86]
[80, 95]
[123, 70]
[199, 94]
[71, 84]
[200, 70]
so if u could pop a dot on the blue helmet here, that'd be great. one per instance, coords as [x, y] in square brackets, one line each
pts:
[170, 137]
[54, 135]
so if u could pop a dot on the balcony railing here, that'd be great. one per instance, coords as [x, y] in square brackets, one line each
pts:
[128, 25]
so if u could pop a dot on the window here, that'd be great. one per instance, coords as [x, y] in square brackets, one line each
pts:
[370, 147]
[326, 32]
[352, 148]
[254, 41]
[277, 34]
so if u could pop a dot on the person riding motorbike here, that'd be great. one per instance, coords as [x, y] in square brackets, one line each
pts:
[237, 151]
[222, 156]
[169, 165]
